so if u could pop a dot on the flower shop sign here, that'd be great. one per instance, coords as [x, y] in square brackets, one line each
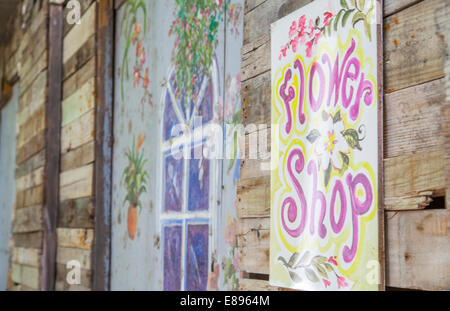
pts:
[326, 147]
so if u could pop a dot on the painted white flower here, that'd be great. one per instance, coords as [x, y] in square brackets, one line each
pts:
[331, 143]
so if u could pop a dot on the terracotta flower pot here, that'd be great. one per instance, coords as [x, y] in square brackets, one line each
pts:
[132, 221]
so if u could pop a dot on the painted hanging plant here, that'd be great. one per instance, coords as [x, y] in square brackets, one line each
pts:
[135, 181]
[307, 32]
[316, 268]
[195, 26]
[132, 31]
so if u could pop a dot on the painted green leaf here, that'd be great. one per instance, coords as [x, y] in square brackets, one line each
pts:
[346, 17]
[321, 270]
[337, 117]
[361, 4]
[311, 275]
[352, 138]
[344, 4]
[367, 22]
[328, 175]
[345, 162]
[295, 277]
[329, 267]
[313, 136]
[320, 259]
[358, 17]
[336, 21]
[293, 259]
[304, 259]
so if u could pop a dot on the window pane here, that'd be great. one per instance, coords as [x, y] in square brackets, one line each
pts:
[197, 257]
[173, 183]
[170, 117]
[172, 257]
[198, 181]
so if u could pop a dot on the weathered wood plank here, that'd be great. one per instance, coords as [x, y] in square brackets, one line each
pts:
[256, 103]
[28, 239]
[253, 197]
[394, 6]
[255, 285]
[35, 124]
[61, 279]
[407, 62]
[77, 183]
[33, 99]
[28, 219]
[79, 157]
[65, 254]
[418, 253]
[35, 70]
[33, 179]
[30, 197]
[77, 213]
[79, 132]
[35, 145]
[26, 256]
[84, 6]
[80, 33]
[254, 241]
[31, 164]
[413, 119]
[75, 238]
[25, 275]
[77, 80]
[80, 58]
[78, 103]
[410, 175]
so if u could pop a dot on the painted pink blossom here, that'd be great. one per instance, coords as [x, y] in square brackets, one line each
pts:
[137, 77]
[342, 282]
[142, 58]
[146, 79]
[326, 283]
[284, 50]
[293, 29]
[294, 43]
[328, 16]
[332, 260]
[309, 46]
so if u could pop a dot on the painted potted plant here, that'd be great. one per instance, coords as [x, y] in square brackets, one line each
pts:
[135, 180]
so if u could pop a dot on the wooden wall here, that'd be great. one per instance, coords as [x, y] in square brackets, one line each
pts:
[26, 60]
[417, 142]
[75, 229]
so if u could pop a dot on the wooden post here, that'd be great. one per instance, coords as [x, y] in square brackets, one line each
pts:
[52, 144]
[101, 256]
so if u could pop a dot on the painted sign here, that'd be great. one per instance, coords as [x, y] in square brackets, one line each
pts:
[324, 182]
[174, 207]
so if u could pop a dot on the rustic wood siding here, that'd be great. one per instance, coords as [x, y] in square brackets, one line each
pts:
[25, 56]
[416, 145]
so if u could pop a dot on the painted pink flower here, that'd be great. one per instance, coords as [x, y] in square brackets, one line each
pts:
[294, 43]
[139, 48]
[328, 16]
[302, 23]
[316, 40]
[332, 260]
[146, 79]
[137, 77]
[311, 29]
[342, 282]
[284, 50]
[142, 58]
[326, 283]
[309, 46]
[293, 29]
[136, 32]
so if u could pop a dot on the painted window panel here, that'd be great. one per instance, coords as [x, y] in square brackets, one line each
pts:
[172, 257]
[197, 257]
[173, 183]
[199, 181]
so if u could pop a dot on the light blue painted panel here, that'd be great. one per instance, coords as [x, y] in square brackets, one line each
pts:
[7, 180]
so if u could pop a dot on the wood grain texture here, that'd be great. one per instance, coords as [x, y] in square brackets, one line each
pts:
[75, 238]
[407, 62]
[76, 183]
[76, 213]
[79, 132]
[418, 254]
[78, 103]
[79, 157]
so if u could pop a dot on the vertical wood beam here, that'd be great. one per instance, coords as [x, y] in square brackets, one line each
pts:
[101, 257]
[52, 145]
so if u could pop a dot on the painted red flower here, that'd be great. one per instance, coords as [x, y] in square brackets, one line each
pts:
[294, 43]
[142, 58]
[136, 32]
[342, 282]
[328, 16]
[326, 283]
[139, 48]
[332, 260]
[302, 23]
[284, 50]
